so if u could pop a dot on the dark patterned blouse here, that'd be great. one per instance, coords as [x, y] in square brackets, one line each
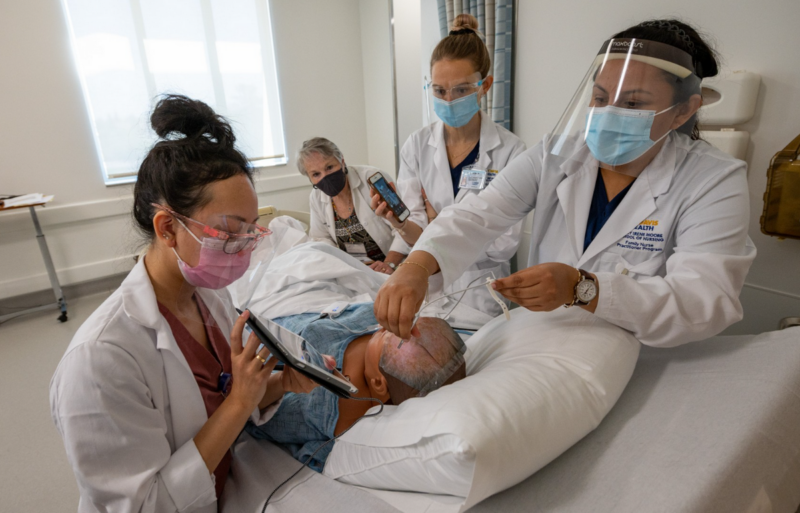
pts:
[351, 231]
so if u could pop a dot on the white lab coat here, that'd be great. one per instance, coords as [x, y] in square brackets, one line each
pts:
[671, 260]
[128, 407]
[424, 164]
[323, 227]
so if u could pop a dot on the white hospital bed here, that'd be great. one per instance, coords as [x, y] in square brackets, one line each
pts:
[708, 427]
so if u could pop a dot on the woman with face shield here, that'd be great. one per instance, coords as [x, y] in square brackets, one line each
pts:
[453, 159]
[636, 219]
[158, 384]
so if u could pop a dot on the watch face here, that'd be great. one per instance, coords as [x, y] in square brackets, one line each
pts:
[586, 291]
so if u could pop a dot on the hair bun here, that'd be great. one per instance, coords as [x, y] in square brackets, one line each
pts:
[177, 114]
[463, 23]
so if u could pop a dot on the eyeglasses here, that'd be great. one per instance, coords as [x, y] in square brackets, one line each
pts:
[456, 92]
[246, 238]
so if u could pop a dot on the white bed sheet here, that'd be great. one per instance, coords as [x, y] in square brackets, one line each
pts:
[711, 426]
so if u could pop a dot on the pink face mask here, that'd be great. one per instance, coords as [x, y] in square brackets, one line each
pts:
[216, 268]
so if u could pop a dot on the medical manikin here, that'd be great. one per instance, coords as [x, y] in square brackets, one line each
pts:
[376, 362]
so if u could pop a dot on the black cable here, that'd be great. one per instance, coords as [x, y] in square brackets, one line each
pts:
[310, 458]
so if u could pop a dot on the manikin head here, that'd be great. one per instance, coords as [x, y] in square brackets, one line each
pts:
[421, 365]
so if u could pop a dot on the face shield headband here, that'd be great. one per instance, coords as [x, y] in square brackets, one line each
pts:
[624, 66]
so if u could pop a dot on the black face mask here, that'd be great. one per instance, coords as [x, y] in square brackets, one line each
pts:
[333, 183]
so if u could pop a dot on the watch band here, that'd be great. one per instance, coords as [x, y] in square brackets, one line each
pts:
[574, 294]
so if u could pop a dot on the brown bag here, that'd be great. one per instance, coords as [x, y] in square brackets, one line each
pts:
[781, 216]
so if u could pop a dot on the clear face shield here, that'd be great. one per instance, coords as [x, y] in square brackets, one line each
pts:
[453, 101]
[628, 101]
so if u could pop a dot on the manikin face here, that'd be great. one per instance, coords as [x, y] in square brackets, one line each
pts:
[428, 359]
[372, 372]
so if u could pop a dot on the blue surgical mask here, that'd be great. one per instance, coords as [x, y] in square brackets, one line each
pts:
[457, 112]
[617, 136]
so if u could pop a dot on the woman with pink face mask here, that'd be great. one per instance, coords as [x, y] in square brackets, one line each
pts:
[152, 393]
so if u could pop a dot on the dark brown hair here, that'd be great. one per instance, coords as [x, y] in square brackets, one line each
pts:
[464, 42]
[195, 150]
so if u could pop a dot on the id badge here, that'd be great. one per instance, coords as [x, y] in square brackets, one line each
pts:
[491, 175]
[472, 178]
[355, 248]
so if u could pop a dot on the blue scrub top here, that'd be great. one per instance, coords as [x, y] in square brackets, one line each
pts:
[601, 209]
[455, 172]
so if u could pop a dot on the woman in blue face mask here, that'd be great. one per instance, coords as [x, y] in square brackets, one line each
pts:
[457, 156]
[636, 220]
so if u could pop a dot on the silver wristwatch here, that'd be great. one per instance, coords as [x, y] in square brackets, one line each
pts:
[585, 289]
[393, 266]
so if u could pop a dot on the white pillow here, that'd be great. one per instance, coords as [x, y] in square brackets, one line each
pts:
[536, 385]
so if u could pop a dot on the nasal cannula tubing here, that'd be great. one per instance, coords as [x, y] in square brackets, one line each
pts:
[462, 292]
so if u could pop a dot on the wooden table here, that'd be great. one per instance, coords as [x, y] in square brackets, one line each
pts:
[61, 301]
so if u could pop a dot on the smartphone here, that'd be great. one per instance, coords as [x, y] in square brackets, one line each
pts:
[393, 201]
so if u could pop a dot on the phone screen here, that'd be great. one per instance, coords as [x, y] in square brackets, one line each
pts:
[388, 194]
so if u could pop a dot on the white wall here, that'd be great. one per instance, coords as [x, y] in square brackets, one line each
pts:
[375, 17]
[417, 33]
[407, 36]
[46, 144]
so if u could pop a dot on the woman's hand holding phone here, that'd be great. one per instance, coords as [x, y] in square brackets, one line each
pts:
[381, 209]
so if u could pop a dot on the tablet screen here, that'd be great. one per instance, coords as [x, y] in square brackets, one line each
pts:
[301, 350]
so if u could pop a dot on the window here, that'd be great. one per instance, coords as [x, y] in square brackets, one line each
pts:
[219, 51]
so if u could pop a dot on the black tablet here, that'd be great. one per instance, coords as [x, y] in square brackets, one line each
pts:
[297, 353]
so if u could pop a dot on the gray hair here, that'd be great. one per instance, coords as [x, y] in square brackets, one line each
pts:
[319, 145]
[442, 343]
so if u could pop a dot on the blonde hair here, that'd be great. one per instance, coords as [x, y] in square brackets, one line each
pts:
[464, 42]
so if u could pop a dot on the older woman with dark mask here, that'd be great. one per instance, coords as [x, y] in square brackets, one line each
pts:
[340, 207]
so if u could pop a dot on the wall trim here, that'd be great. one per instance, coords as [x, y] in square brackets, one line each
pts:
[68, 276]
[105, 284]
[51, 216]
[772, 291]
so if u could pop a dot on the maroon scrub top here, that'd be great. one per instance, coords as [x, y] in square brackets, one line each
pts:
[207, 366]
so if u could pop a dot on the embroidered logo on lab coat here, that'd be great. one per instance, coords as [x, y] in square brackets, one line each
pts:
[491, 174]
[647, 236]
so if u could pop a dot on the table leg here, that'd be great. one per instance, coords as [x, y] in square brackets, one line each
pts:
[48, 263]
